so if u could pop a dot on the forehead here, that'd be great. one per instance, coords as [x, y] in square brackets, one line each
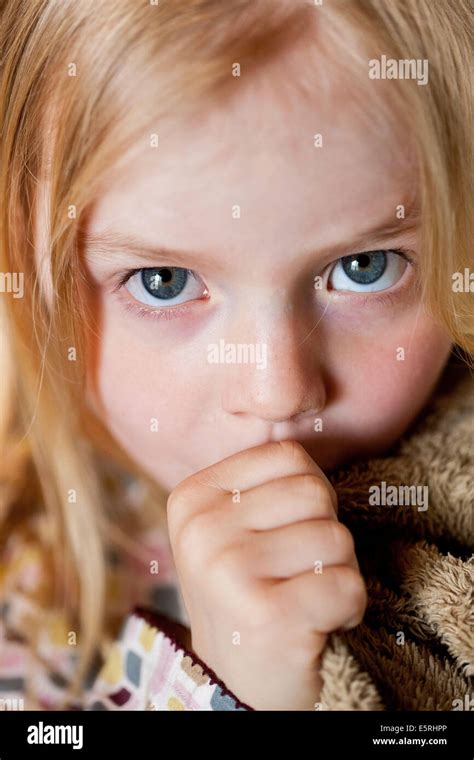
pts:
[260, 152]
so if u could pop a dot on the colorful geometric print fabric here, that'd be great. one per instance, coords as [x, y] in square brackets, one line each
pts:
[147, 669]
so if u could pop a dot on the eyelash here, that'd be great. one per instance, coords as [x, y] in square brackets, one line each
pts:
[383, 298]
[143, 311]
[175, 312]
[122, 277]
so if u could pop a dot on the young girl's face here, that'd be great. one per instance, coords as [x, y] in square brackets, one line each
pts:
[247, 231]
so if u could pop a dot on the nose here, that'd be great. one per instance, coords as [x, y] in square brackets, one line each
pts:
[286, 385]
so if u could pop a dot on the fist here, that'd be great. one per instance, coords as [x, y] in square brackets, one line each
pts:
[266, 572]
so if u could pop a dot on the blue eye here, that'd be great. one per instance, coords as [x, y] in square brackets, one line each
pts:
[367, 272]
[365, 268]
[166, 282]
[165, 286]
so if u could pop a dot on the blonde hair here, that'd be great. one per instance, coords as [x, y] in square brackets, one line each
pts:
[72, 73]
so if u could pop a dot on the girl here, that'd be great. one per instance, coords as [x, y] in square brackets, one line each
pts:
[236, 411]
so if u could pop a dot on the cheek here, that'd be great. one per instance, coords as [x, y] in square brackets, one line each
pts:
[387, 375]
[142, 391]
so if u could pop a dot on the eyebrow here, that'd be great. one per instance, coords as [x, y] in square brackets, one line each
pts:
[393, 226]
[108, 242]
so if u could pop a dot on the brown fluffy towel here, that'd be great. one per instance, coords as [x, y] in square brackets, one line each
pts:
[415, 647]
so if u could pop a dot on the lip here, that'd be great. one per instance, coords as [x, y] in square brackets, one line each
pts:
[291, 429]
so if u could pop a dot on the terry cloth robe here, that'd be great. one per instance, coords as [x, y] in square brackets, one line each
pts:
[415, 647]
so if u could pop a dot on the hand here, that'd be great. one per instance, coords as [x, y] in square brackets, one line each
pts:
[248, 536]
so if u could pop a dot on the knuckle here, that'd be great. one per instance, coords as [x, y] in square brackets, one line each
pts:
[332, 495]
[177, 501]
[173, 512]
[172, 500]
[190, 539]
[294, 450]
[313, 486]
[342, 539]
[352, 584]
[316, 491]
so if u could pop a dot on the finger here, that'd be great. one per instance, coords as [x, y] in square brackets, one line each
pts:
[292, 550]
[285, 501]
[240, 472]
[334, 599]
